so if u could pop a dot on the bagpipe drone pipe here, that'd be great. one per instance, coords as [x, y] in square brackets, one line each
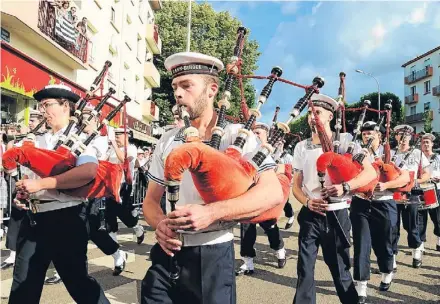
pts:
[45, 163]
[225, 175]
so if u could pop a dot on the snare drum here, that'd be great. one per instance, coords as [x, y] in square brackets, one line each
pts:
[337, 203]
[429, 197]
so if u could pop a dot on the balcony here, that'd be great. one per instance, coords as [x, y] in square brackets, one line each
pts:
[153, 38]
[412, 99]
[436, 91]
[419, 117]
[155, 4]
[150, 111]
[62, 31]
[151, 75]
[421, 74]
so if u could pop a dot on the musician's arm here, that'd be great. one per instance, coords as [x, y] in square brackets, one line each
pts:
[401, 181]
[365, 176]
[266, 194]
[425, 176]
[119, 152]
[74, 178]
[297, 187]
[151, 206]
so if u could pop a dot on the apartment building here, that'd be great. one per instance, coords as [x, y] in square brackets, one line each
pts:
[422, 90]
[54, 42]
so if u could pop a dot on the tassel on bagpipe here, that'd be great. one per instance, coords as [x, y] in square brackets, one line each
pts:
[47, 163]
[218, 130]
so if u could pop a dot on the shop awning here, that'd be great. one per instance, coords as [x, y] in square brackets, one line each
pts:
[144, 137]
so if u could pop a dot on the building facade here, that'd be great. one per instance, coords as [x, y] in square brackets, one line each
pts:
[54, 42]
[422, 90]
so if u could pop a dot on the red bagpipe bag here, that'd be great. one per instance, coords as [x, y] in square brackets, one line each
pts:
[47, 163]
[217, 175]
[341, 168]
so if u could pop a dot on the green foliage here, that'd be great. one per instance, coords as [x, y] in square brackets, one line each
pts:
[427, 121]
[212, 33]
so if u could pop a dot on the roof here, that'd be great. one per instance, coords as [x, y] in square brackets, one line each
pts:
[421, 56]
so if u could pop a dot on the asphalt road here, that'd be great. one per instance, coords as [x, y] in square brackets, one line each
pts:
[268, 285]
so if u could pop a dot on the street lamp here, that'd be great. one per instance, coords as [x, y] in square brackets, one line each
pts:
[378, 87]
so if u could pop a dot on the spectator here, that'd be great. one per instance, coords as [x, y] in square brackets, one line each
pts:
[82, 26]
[72, 15]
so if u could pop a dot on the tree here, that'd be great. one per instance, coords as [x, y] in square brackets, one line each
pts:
[427, 121]
[212, 33]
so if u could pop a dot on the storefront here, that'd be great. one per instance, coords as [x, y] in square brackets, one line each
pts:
[141, 132]
[21, 77]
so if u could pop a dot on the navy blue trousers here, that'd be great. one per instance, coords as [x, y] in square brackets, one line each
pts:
[410, 220]
[248, 233]
[434, 214]
[315, 231]
[373, 225]
[207, 276]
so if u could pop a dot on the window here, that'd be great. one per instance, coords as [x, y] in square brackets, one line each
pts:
[412, 110]
[148, 57]
[113, 15]
[413, 90]
[427, 106]
[427, 87]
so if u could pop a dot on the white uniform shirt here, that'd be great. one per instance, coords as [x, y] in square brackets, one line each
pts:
[131, 152]
[434, 168]
[413, 161]
[304, 159]
[188, 193]
[380, 195]
[61, 200]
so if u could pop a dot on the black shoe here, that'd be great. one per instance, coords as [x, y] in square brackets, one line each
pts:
[118, 269]
[282, 262]
[437, 247]
[395, 270]
[384, 286]
[6, 265]
[53, 280]
[362, 300]
[416, 263]
[244, 271]
[288, 225]
[140, 239]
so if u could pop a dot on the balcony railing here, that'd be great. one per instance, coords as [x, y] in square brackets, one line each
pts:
[155, 4]
[153, 38]
[62, 31]
[412, 99]
[416, 76]
[436, 91]
[414, 118]
[151, 75]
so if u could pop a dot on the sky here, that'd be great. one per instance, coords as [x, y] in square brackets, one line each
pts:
[307, 39]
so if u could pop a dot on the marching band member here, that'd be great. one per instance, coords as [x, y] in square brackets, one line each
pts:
[205, 244]
[434, 170]
[288, 209]
[47, 241]
[248, 232]
[409, 212]
[35, 117]
[373, 222]
[122, 210]
[314, 227]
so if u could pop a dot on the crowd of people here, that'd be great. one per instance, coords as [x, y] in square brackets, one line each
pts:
[193, 259]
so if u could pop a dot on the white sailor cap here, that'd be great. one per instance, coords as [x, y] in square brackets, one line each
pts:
[56, 91]
[401, 128]
[260, 125]
[35, 113]
[324, 101]
[140, 151]
[185, 63]
[88, 108]
[428, 136]
[120, 131]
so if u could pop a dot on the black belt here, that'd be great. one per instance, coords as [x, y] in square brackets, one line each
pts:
[37, 201]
